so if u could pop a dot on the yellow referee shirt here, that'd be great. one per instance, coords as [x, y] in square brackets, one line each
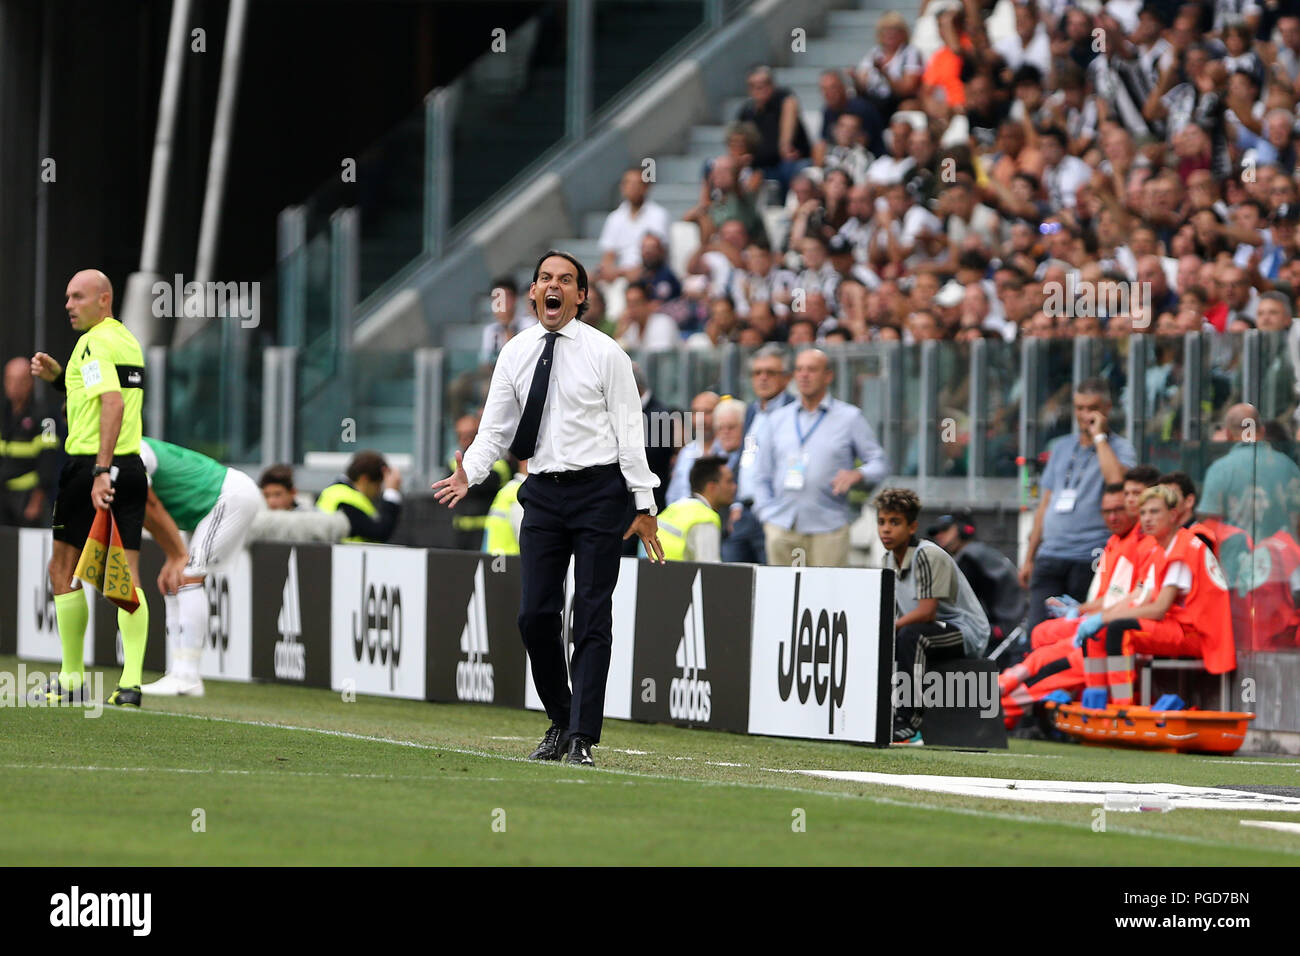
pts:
[106, 359]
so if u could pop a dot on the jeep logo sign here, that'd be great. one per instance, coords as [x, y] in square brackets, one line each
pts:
[817, 660]
[377, 620]
[819, 635]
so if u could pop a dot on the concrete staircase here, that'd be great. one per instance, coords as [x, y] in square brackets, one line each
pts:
[849, 34]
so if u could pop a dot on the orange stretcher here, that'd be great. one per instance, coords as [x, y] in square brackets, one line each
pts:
[1171, 731]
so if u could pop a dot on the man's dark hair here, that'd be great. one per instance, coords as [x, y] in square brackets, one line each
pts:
[582, 277]
[1027, 73]
[973, 259]
[368, 464]
[506, 282]
[801, 321]
[1113, 488]
[706, 469]
[642, 286]
[899, 501]
[1094, 386]
[1147, 474]
[1180, 480]
[277, 475]
[1053, 132]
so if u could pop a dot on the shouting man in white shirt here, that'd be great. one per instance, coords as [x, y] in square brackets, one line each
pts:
[563, 398]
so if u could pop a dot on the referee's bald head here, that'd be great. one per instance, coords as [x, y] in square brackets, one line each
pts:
[89, 298]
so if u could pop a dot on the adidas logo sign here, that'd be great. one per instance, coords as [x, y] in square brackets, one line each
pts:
[474, 674]
[689, 697]
[290, 655]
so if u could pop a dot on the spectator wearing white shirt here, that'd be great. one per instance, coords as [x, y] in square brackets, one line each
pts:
[1029, 44]
[507, 319]
[642, 325]
[1063, 174]
[620, 238]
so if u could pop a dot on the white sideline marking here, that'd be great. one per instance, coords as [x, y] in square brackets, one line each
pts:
[634, 753]
[1253, 763]
[1066, 791]
[1021, 818]
[1273, 825]
[723, 763]
[249, 773]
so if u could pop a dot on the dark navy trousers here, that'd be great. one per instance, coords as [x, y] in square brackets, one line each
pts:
[583, 519]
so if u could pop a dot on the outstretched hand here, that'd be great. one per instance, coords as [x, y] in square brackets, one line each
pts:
[454, 487]
[647, 529]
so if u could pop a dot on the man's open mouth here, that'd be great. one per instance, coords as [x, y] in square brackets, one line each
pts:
[553, 304]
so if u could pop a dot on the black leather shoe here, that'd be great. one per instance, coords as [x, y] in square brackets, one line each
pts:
[579, 751]
[549, 748]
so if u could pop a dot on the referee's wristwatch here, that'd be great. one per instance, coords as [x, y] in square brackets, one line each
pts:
[101, 470]
[644, 511]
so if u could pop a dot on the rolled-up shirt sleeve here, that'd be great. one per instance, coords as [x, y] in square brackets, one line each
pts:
[623, 402]
[498, 424]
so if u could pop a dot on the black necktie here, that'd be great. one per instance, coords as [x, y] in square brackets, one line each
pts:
[525, 442]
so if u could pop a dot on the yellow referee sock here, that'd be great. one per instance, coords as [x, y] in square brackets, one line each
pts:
[71, 613]
[135, 633]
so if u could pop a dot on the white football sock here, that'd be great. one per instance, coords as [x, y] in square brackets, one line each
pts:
[192, 601]
[173, 629]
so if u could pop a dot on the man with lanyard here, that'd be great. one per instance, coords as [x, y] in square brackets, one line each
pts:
[104, 381]
[1068, 528]
[806, 464]
[770, 371]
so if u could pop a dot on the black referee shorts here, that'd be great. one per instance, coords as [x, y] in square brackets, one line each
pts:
[74, 512]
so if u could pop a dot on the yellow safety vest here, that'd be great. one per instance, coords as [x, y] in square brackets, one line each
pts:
[341, 493]
[499, 530]
[464, 522]
[32, 449]
[676, 521]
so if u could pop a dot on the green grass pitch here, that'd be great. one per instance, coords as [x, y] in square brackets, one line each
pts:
[402, 782]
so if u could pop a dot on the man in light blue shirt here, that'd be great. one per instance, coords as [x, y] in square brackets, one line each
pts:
[702, 406]
[1069, 532]
[811, 453]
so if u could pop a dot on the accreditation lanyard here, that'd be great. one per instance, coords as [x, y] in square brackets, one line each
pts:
[798, 430]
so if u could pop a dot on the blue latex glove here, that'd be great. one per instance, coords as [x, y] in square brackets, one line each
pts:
[1095, 698]
[1088, 627]
[1060, 696]
[1062, 606]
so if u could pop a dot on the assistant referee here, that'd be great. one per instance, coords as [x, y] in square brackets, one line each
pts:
[563, 398]
[104, 381]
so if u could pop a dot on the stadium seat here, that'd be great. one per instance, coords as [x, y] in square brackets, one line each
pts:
[1181, 665]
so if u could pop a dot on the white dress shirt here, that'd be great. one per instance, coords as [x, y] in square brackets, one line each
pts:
[623, 230]
[592, 414]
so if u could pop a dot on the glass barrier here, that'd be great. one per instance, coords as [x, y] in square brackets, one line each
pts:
[213, 392]
[1001, 425]
[369, 403]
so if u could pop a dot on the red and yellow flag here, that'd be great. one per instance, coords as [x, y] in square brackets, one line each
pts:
[103, 563]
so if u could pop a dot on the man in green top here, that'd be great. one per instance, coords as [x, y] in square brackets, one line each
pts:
[1254, 486]
[369, 494]
[690, 529]
[104, 381]
[192, 492]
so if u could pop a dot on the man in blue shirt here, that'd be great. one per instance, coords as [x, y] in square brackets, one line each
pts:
[811, 453]
[1069, 532]
[769, 370]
